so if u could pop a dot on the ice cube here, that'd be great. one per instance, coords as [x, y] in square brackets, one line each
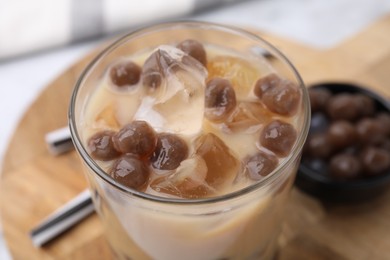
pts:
[248, 117]
[107, 117]
[222, 166]
[241, 73]
[188, 181]
[179, 99]
[171, 63]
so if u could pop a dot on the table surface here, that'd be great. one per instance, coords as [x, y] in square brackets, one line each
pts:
[312, 23]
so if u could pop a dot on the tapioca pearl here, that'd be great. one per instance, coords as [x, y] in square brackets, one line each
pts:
[342, 134]
[319, 146]
[137, 138]
[283, 99]
[195, 49]
[101, 146]
[130, 171]
[369, 131]
[220, 99]
[345, 166]
[125, 73]
[279, 96]
[375, 160]
[279, 137]
[265, 83]
[318, 98]
[365, 105]
[342, 106]
[260, 165]
[170, 151]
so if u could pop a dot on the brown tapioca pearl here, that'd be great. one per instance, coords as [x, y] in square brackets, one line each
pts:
[280, 96]
[342, 106]
[125, 73]
[384, 119]
[220, 99]
[101, 146]
[265, 83]
[170, 151]
[375, 160]
[369, 131]
[137, 138]
[318, 98]
[342, 134]
[278, 137]
[319, 146]
[260, 165]
[129, 171]
[195, 49]
[283, 100]
[345, 166]
[365, 105]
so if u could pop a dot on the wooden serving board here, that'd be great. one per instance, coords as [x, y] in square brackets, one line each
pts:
[34, 183]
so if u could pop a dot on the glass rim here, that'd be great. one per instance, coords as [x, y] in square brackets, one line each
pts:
[189, 24]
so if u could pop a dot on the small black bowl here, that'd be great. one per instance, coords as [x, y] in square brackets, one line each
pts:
[344, 191]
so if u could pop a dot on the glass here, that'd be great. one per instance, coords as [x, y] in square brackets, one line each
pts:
[241, 225]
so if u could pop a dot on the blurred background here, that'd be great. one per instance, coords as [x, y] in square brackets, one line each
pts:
[40, 39]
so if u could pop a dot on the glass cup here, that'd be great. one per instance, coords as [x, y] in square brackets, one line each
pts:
[244, 224]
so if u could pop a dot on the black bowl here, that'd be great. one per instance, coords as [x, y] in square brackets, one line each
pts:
[356, 190]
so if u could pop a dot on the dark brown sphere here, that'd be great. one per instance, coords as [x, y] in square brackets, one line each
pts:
[342, 107]
[342, 134]
[345, 166]
[280, 96]
[125, 73]
[129, 171]
[279, 137]
[319, 146]
[170, 151]
[137, 138]
[101, 146]
[220, 99]
[375, 160]
[318, 98]
[265, 83]
[260, 165]
[195, 49]
[369, 131]
[365, 105]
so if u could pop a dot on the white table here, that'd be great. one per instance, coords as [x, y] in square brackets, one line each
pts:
[317, 23]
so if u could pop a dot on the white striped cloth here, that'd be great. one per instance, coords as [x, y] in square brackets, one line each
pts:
[31, 25]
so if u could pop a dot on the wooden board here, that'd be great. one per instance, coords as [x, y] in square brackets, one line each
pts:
[34, 183]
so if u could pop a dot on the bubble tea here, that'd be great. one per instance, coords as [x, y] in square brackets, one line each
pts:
[191, 145]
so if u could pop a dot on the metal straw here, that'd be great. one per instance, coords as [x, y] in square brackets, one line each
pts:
[62, 219]
[59, 141]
